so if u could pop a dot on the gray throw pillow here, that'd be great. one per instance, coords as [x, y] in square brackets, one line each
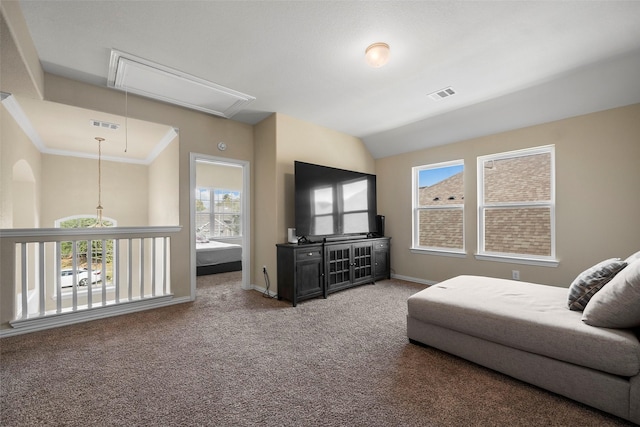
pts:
[590, 281]
[617, 305]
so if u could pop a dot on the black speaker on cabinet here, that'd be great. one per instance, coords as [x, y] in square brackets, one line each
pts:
[380, 225]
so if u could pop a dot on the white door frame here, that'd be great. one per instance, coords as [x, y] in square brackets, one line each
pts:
[246, 214]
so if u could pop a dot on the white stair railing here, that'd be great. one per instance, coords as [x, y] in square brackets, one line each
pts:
[131, 265]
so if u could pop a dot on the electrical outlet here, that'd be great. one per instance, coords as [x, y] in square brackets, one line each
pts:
[264, 268]
[515, 274]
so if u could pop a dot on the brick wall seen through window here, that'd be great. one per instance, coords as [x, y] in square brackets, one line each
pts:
[516, 206]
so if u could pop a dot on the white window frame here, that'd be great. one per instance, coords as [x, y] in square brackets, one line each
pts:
[549, 261]
[416, 208]
[212, 211]
[215, 212]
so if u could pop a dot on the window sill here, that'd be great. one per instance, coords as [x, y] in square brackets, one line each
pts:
[518, 260]
[443, 252]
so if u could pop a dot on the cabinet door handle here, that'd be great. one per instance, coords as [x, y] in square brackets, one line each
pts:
[310, 254]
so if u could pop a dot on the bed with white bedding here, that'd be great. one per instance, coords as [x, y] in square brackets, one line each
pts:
[217, 257]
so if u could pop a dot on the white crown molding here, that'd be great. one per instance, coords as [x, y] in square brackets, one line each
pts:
[12, 106]
[160, 146]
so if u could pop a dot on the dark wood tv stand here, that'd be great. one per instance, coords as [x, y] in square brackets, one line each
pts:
[311, 270]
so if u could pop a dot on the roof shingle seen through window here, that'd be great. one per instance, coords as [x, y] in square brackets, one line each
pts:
[443, 192]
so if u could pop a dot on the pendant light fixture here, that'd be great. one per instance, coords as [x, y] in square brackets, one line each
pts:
[99, 207]
[377, 54]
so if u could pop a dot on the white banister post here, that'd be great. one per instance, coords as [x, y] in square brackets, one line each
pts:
[116, 268]
[141, 267]
[74, 277]
[165, 270]
[41, 283]
[89, 273]
[153, 267]
[58, 277]
[24, 287]
[103, 272]
[130, 270]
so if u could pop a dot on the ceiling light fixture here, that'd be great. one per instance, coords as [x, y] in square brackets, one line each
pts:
[377, 54]
[99, 222]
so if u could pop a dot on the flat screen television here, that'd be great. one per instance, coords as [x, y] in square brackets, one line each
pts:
[333, 202]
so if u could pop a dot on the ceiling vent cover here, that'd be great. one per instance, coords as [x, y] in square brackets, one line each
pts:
[136, 75]
[442, 93]
[104, 125]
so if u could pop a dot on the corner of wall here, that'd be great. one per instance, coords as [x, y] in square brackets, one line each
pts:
[22, 72]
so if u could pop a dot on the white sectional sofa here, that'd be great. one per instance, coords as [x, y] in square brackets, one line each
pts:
[527, 331]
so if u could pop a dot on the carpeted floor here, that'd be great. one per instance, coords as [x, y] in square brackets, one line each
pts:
[236, 358]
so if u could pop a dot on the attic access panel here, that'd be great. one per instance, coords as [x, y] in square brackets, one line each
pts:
[145, 78]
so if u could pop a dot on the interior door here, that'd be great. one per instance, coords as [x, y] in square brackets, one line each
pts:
[220, 206]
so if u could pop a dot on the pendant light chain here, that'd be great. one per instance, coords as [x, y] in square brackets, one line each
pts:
[126, 119]
[99, 207]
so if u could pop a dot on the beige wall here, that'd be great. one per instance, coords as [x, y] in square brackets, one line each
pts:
[20, 165]
[218, 176]
[264, 202]
[304, 141]
[70, 187]
[597, 207]
[20, 66]
[163, 178]
[279, 141]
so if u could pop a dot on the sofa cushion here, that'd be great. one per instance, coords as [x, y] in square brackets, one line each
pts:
[632, 257]
[528, 317]
[590, 281]
[617, 305]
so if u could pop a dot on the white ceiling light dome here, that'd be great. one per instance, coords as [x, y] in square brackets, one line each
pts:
[377, 54]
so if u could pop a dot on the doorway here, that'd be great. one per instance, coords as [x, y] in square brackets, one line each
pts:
[220, 217]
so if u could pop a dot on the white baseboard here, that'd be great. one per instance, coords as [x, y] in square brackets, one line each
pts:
[413, 279]
[273, 294]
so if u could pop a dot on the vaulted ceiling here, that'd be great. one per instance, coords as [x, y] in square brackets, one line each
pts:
[511, 64]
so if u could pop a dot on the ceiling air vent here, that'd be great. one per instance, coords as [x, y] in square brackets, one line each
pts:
[136, 75]
[442, 93]
[104, 125]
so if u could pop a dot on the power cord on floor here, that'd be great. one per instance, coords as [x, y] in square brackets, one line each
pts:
[267, 283]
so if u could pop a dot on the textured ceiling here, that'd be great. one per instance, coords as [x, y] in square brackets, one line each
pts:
[512, 63]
